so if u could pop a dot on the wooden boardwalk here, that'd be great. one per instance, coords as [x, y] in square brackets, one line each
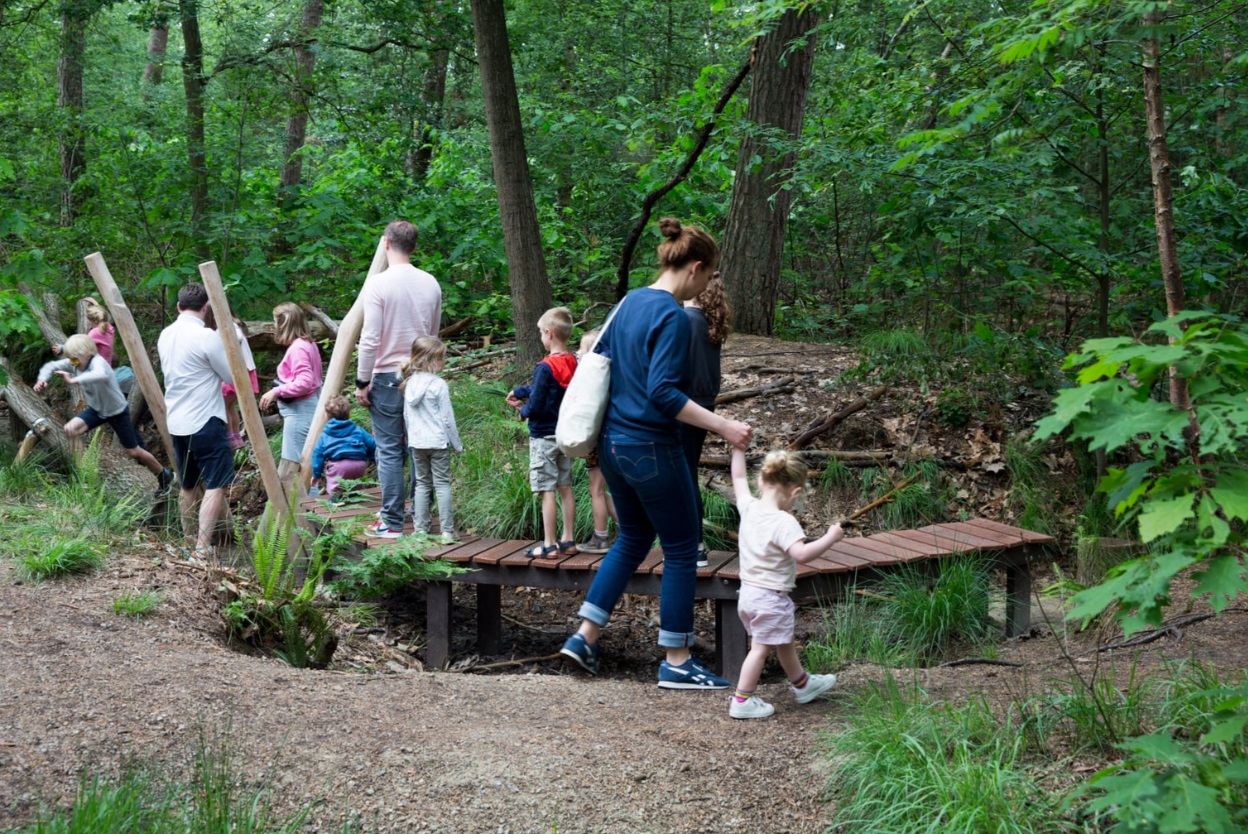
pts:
[497, 563]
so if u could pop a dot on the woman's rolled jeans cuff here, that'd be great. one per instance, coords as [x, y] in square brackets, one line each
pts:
[591, 612]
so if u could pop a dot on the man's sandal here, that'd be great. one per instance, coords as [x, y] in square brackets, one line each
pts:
[568, 548]
[542, 551]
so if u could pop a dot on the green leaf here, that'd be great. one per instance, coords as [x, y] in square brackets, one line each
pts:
[1159, 517]
[1068, 405]
[1223, 579]
[1159, 747]
[1231, 493]
[1229, 729]
[1148, 417]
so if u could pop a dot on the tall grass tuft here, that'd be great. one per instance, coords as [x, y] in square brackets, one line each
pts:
[923, 502]
[43, 558]
[136, 603]
[902, 343]
[905, 764]
[855, 630]
[929, 614]
[20, 479]
[1031, 492]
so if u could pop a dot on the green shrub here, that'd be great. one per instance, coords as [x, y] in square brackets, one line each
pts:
[387, 568]
[43, 558]
[929, 614]
[19, 480]
[855, 630]
[136, 603]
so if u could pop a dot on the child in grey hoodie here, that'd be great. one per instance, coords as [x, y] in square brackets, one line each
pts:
[431, 433]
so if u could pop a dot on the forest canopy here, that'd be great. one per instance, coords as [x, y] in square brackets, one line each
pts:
[982, 167]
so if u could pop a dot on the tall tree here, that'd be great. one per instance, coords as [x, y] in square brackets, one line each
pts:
[72, 140]
[530, 286]
[157, 45]
[193, 82]
[759, 211]
[297, 124]
[432, 102]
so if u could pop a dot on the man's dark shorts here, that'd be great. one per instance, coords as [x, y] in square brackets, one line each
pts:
[205, 456]
[122, 427]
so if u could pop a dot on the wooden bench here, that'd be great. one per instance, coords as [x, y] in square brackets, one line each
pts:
[497, 563]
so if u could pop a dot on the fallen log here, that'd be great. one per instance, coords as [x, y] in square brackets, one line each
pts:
[834, 420]
[782, 384]
[872, 456]
[47, 317]
[319, 314]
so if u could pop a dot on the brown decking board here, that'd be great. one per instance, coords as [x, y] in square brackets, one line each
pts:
[886, 552]
[584, 561]
[944, 544]
[979, 541]
[498, 552]
[857, 554]
[461, 551]
[921, 550]
[730, 570]
[1002, 539]
[1026, 535]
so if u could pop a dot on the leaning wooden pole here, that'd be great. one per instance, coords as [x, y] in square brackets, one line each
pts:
[246, 397]
[339, 361]
[139, 360]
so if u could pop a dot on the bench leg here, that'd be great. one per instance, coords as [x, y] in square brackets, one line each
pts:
[1017, 597]
[731, 641]
[438, 624]
[489, 619]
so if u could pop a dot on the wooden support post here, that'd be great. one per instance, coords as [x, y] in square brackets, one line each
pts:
[1017, 595]
[348, 334]
[246, 398]
[438, 624]
[731, 641]
[489, 619]
[139, 361]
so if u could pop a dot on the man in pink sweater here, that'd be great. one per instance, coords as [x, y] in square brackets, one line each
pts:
[399, 304]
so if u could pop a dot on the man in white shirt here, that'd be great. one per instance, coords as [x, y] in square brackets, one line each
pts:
[194, 364]
[399, 304]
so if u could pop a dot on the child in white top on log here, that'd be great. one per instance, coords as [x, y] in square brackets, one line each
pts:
[771, 545]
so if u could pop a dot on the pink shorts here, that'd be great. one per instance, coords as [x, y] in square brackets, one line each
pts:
[228, 389]
[769, 616]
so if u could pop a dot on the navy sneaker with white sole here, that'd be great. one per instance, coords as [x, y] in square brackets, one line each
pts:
[582, 652]
[689, 675]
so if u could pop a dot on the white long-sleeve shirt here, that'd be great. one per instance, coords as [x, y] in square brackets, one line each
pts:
[97, 382]
[399, 304]
[193, 360]
[428, 413]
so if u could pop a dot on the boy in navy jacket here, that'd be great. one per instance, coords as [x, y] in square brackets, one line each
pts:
[549, 469]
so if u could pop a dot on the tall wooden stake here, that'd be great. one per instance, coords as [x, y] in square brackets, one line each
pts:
[139, 360]
[344, 345]
[242, 383]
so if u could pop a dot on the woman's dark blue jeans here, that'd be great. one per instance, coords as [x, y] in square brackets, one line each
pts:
[654, 494]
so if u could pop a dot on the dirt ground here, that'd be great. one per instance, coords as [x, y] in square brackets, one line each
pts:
[530, 748]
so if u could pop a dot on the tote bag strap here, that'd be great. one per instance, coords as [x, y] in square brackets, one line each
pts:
[607, 324]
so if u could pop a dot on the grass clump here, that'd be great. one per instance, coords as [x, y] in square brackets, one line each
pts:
[44, 558]
[136, 604]
[929, 614]
[853, 630]
[906, 764]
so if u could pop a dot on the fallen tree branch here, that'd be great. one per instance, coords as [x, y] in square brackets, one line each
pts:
[320, 315]
[974, 661]
[834, 420]
[782, 384]
[1173, 629]
[503, 664]
[879, 502]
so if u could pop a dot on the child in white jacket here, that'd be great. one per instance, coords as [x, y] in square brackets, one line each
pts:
[431, 433]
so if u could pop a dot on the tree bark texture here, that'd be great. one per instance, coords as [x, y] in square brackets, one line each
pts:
[530, 287]
[1163, 193]
[758, 213]
[72, 140]
[157, 44]
[193, 82]
[301, 95]
[432, 101]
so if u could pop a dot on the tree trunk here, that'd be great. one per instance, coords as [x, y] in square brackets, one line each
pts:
[432, 99]
[530, 287]
[72, 140]
[297, 124]
[1163, 194]
[157, 44]
[193, 82]
[758, 214]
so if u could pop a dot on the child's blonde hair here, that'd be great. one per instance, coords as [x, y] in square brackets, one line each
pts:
[289, 323]
[558, 320]
[588, 339]
[784, 468]
[428, 354]
[79, 346]
[97, 316]
[337, 407]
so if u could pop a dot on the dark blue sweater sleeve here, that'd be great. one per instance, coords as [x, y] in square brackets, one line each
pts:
[669, 365]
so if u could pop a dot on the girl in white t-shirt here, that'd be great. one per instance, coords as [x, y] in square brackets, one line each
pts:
[771, 544]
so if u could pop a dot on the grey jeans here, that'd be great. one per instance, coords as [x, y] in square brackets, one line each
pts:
[386, 409]
[431, 470]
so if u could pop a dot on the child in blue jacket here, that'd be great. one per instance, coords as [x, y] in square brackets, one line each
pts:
[343, 450]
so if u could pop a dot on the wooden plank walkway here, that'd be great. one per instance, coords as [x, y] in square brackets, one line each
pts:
[497, 563]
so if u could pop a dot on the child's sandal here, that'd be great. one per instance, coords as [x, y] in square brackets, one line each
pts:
[541, 551]
[568, 548]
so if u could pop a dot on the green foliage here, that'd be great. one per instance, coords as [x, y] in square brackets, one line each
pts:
[379, 571]
[855, 630]
[21, 479]
[1187, 501]
[136, 604]
[1032, 494]
[44, 558]
[923, 502]
[904, 764]
[930, 614]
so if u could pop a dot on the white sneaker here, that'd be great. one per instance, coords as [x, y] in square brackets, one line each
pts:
[816, 685]
[381, 531]
[753, 707]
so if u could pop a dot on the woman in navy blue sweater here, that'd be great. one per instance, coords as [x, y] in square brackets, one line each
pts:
[640, 453]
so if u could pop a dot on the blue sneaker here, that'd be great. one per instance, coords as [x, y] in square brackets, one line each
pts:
[582, 651]
[689, 675]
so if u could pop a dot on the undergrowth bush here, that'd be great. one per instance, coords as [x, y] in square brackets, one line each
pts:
[854, 630]
[41, 557]
[929, 614]
[390, 567]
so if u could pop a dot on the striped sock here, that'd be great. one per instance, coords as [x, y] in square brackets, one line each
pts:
[743, 696]
[800, 683]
